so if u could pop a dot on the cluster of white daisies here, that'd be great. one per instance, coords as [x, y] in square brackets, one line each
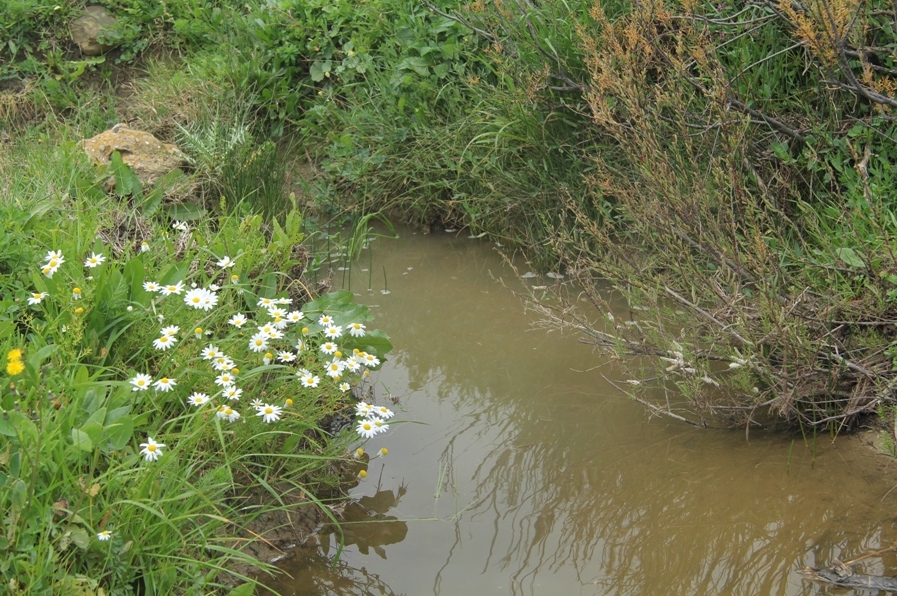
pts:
[372, 419]
[270, 328]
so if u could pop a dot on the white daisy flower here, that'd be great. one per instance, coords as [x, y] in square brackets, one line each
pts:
[195, 298]
[333, 331]
[180, 226]
[37, 297]
[165, 384]
[232, 392]
[151, 286]
[379, 424]
[256, 403]
[171, 330]
[275, 334]
[238, 320]
[151, 450]
[266, 302]
[198, 399]
[269, 413]
[172, 289]
[94, 260]
[366, 428]
[210, 352]
[258, 342]
[383, 413]
[276, 312]
[329, 347]
[226, 262]
[286, 356]
[164, 342]
[104, 536]
[222, 363]
[356, 329]
[369, 359]
[284, 301]
[325, 320]
[295, 316]
[344, 387]
[310, 381]
[141, 382]
[363, 409]
[335, 369]
[225, 379]
[352, 364]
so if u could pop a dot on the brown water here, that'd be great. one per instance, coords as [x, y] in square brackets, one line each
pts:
[526, 473]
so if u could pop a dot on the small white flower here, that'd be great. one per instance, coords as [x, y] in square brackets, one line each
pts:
[256, 403]
[198, 399]
[383, 413]
[286, 356]
[285, 301]
[352, 364]
[295, 316]
[151, 286]
[238, 320]
[222, 363]
[356, 329]
[141, 382]
[344, 387]
[180, 226]
[363, 409]
[210, 352]
[266, 302]
[333, 331]
[226, 262]
[258, 342]
[369, 359]
[172, 289]
[232, 392]
[171, 330]
[269, 413]
[37, 297]
[144, 246]
[151, 450]
[366, 428]
[94, 260]
[165, 384]
[310, 381]
[104, 535]
[325, 320]
[225, 380]
[231, 414]
[329, 347]
[164, 342]
[380, 425]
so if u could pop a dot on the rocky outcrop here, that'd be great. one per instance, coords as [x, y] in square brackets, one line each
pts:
[149, 157]
[86, 30]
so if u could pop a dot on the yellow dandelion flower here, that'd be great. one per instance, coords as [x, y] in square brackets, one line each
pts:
[14, 367]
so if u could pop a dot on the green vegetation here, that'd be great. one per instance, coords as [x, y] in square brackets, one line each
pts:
[725, 167]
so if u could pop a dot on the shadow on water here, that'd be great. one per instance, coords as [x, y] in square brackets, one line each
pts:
[531, 475]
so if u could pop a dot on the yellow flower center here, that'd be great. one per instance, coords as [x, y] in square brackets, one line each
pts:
[79, 310]
[269, 410]
[150, 448]
[77, 290]
[164, 380]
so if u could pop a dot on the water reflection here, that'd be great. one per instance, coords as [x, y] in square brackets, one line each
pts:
[545, 480]
[316, 567]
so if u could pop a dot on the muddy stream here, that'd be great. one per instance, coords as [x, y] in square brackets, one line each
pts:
[525, 473]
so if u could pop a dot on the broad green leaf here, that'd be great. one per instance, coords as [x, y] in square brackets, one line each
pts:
[81, 440]
[850, 256]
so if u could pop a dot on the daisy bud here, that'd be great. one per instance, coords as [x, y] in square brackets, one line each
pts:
[362, 474]
[289, 402]
[358, 453]
[268, 357]
[198, 332]
[305, 330]
[76, 293]
[79, 310]
[383, 452]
